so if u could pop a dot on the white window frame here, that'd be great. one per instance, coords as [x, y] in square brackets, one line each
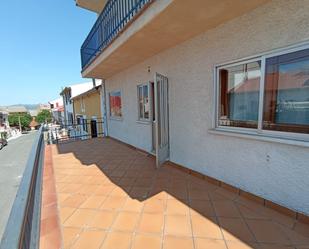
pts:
[259, 131]
[143, 119]
[109, 106]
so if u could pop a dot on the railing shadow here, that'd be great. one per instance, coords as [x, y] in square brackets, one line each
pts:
[136, 174]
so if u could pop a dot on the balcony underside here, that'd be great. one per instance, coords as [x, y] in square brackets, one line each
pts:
[161, 26]
[92, 5]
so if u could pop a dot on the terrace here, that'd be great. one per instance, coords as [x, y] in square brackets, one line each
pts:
[100, 193]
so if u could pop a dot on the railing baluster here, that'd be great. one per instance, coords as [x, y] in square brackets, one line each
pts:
[113, 18]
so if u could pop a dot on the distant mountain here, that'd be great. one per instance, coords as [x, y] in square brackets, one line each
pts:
[28, 106]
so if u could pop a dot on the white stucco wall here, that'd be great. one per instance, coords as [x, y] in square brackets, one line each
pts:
[274, 171]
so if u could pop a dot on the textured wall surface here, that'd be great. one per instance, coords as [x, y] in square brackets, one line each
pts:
[274, 171]
[92, 105]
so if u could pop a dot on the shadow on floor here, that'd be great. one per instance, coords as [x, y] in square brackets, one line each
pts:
[210, 211]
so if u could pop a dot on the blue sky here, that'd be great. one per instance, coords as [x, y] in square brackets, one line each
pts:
[39, 48]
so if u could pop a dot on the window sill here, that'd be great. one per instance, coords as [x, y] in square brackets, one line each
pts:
[260, 137]
[147, 122]
[116, 118]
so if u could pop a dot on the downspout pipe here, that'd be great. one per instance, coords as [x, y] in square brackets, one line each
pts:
[104, 108]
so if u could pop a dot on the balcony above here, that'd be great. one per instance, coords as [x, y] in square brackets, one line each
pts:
[92, 5]
[129, 31]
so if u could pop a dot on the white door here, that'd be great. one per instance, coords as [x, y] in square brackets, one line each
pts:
[162, 119]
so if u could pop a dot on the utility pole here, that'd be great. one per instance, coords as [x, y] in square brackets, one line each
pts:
[19, 123]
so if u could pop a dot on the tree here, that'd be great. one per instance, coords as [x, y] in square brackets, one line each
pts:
[43, 116]
[25, 120]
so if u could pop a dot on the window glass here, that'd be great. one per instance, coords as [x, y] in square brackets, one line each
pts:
[286, 97]
[143, 102]
[239, 95]
[115, 104]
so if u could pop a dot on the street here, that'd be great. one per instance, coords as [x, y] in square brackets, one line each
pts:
[13, 159]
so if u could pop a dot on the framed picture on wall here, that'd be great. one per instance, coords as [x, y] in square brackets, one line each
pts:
[115, 107]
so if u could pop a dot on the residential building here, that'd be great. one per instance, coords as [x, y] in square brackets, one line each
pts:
[70, 92]
[44, 107]
[57, 110]
[218, 87]
[4, 120]
[88, 111]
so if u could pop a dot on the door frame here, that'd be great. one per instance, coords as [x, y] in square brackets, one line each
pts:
[161, 101]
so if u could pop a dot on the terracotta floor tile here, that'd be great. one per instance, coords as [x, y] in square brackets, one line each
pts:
[62, 197]
[142, 241]
[177, 225]
[226, 209]
[103, 219]
[118, 191]
[202, 243]
[178, 193]
[117, 173]
[215, 196]
[242, 245]
[133, 205]
[151, 223]
[104, 190]
[264, 246]
[131, 174]
[113, 203]
[65, 213]
[295, 237]
[69, 235]
[139, 192]
[93, 202]
[205, 227]
[198, 194]
[89, 240]
[74, 201]
[117, 240]
[158, 193]
[229, 195]
[249, 213]
[161, 183]
[69, 188]
[235, 229]
[80, 218]
[118, 183]
[88, 189]
[171, 242]
[126, 221]
[201, 207]
[127, 181]
[267, 232]
[153, 205]
[176, 207]
[143, 182]
[302, 229]
[276, 216]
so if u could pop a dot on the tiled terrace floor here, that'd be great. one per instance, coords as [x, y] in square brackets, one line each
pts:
[112, 197]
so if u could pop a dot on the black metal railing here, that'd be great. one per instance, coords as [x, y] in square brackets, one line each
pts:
[81, 129]
[23, 226]
[113, 18]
